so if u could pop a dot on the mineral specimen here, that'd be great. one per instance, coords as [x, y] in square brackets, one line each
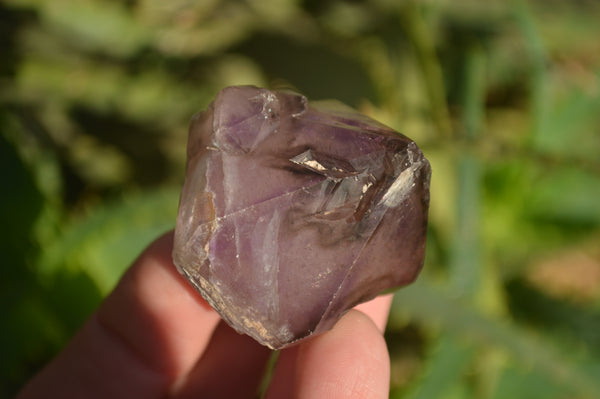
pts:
[292, 213]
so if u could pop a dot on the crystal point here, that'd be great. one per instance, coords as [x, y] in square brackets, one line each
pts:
[292, 213]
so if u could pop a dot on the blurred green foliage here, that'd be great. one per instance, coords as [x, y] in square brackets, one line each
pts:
[503, 97]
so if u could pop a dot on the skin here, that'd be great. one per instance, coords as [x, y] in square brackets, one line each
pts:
[155, 337]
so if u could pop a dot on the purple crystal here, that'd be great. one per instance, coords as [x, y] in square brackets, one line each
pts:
[291, 213]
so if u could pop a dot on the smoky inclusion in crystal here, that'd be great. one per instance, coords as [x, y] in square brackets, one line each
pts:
[294, 212]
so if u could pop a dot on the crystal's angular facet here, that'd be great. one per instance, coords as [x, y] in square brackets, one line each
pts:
[291, 213]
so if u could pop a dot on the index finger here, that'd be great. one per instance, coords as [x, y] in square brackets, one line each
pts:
[146, 335]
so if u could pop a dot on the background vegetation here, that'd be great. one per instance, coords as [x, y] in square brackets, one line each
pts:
[502, 96]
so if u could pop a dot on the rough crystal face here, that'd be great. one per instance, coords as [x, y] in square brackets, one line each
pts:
[292, 213]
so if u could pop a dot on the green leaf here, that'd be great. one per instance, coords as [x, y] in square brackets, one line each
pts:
[446, 366]
[566, 195]
[97, 25]
[106, 242]
[436, 306]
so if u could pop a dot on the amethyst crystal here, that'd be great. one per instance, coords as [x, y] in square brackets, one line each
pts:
[291, 213]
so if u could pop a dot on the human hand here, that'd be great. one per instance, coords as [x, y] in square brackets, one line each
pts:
[155, 337]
